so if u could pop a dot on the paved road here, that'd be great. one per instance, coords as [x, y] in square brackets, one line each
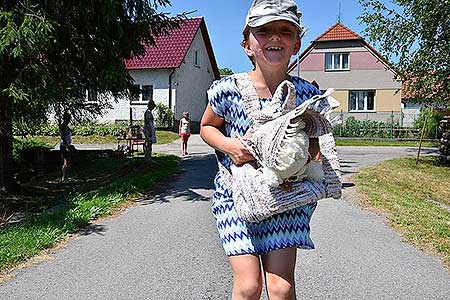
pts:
[166, 247]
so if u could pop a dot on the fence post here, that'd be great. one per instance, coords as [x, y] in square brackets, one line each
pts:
[402, 116]
[341, 115]
[392, 124]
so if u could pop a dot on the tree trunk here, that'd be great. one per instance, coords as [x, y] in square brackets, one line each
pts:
[7, 182]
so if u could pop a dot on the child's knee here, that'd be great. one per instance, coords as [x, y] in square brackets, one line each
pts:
[280, 288]
[248, 289]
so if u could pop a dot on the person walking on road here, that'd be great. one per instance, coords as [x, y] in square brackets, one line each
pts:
[184, 130]
[149, 130]
[266, 249]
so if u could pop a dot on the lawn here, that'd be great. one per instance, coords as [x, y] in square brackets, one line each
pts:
[99, 187]
[163, 137]
[416, 199]
[385, 143]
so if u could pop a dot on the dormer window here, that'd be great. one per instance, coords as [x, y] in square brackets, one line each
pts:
[337, 62]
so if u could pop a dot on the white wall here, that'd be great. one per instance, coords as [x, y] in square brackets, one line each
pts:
[189, 86]
[192, 82]
[160, 81]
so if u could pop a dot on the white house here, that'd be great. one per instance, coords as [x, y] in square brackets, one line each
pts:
[177, 72]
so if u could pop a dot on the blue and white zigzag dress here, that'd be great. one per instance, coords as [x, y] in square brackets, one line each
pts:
[288, 229]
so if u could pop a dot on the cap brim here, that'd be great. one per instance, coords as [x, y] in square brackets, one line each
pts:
[268, 19]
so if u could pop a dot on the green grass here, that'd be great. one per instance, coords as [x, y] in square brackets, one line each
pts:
[406, 191]
[385, 143]
[98, 195]
[163, 137]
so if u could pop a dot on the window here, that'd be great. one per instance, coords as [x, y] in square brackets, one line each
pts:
[135, 93]
[197, 58]
[336, 61]
[147, 92]
[91, 95]
[141, 93]
[361, 101]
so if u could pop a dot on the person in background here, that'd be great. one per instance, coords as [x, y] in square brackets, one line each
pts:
[65, 146]
[184, 130]
[149, 130]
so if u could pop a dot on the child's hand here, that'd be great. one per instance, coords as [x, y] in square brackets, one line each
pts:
[237, 152]
[314, 148]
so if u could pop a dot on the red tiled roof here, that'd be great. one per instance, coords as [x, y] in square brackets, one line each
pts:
[171, 49]
[338, 32]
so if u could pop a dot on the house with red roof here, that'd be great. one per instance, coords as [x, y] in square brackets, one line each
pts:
[365, 83]
[177, 72]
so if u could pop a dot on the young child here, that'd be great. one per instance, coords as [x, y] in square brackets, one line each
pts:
[266, 249]
[184, 130]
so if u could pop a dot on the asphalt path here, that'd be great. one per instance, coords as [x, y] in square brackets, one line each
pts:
[167, 247]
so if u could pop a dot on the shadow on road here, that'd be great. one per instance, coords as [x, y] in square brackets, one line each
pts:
[424, 151]
[346, 185]
[193, 183]
[348, 167]
[92, 228]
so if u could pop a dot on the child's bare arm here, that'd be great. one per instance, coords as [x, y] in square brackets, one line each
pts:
[314, 149]
[211, 134]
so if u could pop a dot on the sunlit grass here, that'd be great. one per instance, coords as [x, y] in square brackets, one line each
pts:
[385, 143]
[162, 137]
[411, 194]
[41, 231]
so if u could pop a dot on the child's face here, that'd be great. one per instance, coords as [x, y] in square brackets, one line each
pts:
[273, 43]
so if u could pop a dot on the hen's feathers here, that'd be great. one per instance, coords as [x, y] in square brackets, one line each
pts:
[279, 139]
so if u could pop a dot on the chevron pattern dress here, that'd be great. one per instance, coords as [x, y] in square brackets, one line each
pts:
[288, 229]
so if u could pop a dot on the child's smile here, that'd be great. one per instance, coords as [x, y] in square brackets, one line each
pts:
[274, 43]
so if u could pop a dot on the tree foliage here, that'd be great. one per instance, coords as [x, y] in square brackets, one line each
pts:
[57, 50]
[417, 33]
[225, 72]
[53, 51]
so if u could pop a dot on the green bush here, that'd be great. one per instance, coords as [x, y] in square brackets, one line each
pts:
[97, 129]
[371, 129]
[23, 149]
[165, 116]
[49, 129]
[85, 129]
[434, 117]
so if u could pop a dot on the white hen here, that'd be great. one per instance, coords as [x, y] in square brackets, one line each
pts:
[279, 138]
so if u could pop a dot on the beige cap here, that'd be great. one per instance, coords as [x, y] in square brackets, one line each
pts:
[262, 12]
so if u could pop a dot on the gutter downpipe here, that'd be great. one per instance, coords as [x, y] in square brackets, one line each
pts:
[170, 95]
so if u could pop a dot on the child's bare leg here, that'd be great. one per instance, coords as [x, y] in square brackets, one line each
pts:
[247, 277]
[182, 146]
[64, 168]
[279, 266]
